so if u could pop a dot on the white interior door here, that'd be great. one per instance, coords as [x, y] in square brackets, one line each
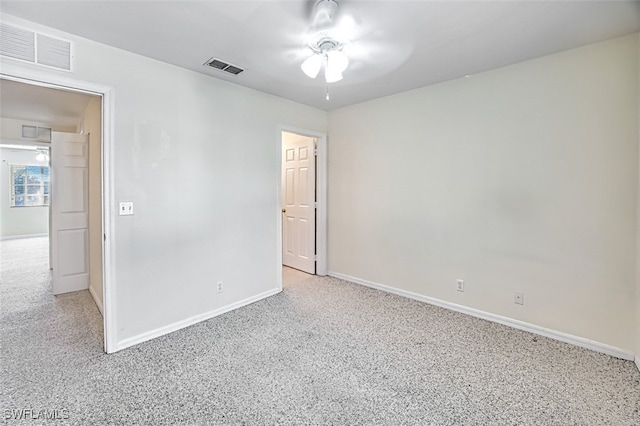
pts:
[298, 202]
[70, 211]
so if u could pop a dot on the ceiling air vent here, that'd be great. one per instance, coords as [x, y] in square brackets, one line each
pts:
[30, 46]
[223, 66]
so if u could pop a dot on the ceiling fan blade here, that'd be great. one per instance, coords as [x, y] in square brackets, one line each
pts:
[374, 58]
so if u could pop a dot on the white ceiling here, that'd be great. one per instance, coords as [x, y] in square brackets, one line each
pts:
[398, 46]
[41, 104]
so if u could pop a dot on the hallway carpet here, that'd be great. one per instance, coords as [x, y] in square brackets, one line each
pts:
[324, 351]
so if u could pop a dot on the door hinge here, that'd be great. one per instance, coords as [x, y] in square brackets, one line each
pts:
[315, 257]
[315, 204]
[315, 152]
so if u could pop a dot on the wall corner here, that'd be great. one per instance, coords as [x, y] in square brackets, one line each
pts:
[637, 304]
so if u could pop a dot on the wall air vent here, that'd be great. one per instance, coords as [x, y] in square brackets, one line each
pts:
[223, 66]
[17, 43]
[30, 46]
[42, 134]
[54, 52]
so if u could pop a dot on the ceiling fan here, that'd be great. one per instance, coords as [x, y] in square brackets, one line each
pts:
[321, 41]
[327, 38]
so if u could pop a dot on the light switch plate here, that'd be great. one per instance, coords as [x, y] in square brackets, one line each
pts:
[125, 208]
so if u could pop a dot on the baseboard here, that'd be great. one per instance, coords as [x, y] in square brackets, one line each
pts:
[520, 325]
[637, 361]
[96, 300]
[19, 237]
[161, 331]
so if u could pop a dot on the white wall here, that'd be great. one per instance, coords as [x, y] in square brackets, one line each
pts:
[524, 178]
[199, 158]
[637, 324]
[91, 124]
[18, 221]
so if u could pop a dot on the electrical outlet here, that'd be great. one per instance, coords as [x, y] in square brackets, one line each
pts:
[518, 298]
[219, 287]
[460, 285]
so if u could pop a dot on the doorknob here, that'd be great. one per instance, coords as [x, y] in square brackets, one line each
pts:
[284, 210]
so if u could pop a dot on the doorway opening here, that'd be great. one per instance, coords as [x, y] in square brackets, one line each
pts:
[302, 200]
[61, 113]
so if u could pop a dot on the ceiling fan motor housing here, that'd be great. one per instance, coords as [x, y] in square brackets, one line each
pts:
[323, 35]
[322, 41]
[324, 13]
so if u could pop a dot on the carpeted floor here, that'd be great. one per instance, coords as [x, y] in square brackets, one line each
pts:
[323, 351]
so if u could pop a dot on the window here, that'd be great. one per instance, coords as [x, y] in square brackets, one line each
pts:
[29, 186]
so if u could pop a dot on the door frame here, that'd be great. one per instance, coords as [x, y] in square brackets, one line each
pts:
[321, 198]
[52, 80]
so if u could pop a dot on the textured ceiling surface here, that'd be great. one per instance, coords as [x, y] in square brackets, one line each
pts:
[394, 46]
[41, 104]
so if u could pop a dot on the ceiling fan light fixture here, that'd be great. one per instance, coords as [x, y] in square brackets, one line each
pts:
[335, 63]
[331, 75]
[42, 156]
[326, 42]
[311, 66]
[337, 60]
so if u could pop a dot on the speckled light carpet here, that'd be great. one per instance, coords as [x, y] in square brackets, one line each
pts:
[324, 351]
